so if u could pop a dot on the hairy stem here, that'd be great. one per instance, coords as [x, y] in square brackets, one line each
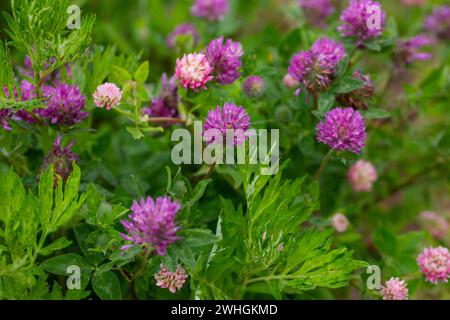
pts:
[324, 163]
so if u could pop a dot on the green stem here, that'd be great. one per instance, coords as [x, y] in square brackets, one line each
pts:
[273, 277]
[166, 120]
[324, 163]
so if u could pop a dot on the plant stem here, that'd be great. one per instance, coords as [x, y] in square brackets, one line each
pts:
[143, 265]
[273, 277]
[166, 120]
[211, 168]
[133, 290]
[324, 163]
[316, 100]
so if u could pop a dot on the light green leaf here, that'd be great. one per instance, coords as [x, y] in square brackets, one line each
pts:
[375, 113]
[141, 73]
[348, 84]
[135, 132]
[325, 103]
[106, 285]
[59, 244]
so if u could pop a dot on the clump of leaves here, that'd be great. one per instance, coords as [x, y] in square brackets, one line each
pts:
[264, 248]
[26, 224]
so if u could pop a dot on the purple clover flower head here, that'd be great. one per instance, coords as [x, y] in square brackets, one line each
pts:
[328, 52]
[315, 68]
[395, 289]
[193, 71]
[61, 159]
[65, 105]
[108, 95]
[152, 223]
[254, 86]
[213, 10]
[359, 20]
[343, 129]
[221, 119]
[362, 175]
[340, 222]
[359, 98]
[27, 70]
[438, 23]
[24, 115]
[28, 90]
[166, 103]
[434, 263]
[171, 280]
[317, 11]
[182, 29]
[407, 51]
[225, 59]
[5, 116]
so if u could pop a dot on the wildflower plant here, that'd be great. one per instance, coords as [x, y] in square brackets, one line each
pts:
[353, 116]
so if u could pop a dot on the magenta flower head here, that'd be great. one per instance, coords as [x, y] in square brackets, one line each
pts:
[213, 10]
[5, 116]
[438, 23]
[434, 263]
[61, 158]
[362, 175]
[362, 20]
[193, 71]
[221, 119]
[395, 289]
[407, 51]
[170, 280]
[359, 98]
[315, 68]
[107, 95]
[152, 224]
[317, 11]
[225, 59]
[254, 86]
[166, 103]
[340, 222]
[28, 90]
[435, 224]
[184, 29]
[342, 129]
[65, 105]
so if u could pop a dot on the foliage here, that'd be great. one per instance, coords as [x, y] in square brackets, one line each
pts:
[242, 235]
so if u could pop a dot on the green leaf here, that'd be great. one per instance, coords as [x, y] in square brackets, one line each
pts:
[199, 191]
[135, 132]
[46, 197]
[58, 265]
[373, 45]
[106, 285]
[82, 233]
[59, 244]
[348, 84]
[7, 74]
[375, 113]
[198, 237]
[141, 73]
[342, 66]
[120, 75]
[325, 103]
